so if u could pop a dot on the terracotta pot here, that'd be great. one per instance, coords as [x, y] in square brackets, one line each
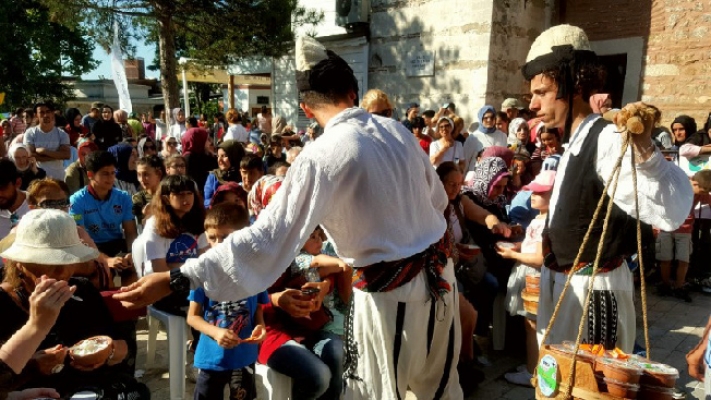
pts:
[620, 371]
[621, 389]
[656, 374]
[93, 351]
[656, 393]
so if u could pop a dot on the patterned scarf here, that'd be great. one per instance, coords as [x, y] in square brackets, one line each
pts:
[487, 172]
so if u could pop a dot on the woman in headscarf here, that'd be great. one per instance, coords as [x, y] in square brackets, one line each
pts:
[121, 118]
[198, 162]
[146, 147]
[126, 176]
[600, 103]
[520, 136]
[486, 189]
[682, 129]
[169, 147]
[229, 155]
[74, 128]
[446, 148]
[106, 131]
[486, 133]
[178, 127]
[26, 165]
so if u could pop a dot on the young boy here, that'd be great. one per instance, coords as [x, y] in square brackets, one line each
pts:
[677, 245]
[317, 263]
[530, 259]
[231, 331]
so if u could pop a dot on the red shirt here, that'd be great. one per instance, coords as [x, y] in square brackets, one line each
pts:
[425, 144]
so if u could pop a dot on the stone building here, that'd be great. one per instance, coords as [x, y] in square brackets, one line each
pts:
[470, 51]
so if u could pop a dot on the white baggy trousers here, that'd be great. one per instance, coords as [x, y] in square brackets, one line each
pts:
[405, 340]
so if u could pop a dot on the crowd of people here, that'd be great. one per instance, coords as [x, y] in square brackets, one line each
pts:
[104, 199]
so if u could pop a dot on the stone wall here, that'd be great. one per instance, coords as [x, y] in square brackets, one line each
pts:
[676, 71]
[457, 31]
[515, 26]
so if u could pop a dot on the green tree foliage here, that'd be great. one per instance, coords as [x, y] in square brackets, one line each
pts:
[36, 51]
[214, 32]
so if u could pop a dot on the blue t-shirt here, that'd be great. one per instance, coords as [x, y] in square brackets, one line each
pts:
[235, 315]
[102, 219]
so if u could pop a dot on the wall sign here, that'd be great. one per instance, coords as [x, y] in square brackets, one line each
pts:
[420, 63]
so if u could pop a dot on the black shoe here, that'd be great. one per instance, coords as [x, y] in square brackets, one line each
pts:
[664, 290]
[469, 377]
[682, 293]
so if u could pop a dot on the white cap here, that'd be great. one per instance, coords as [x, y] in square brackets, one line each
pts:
[559, 35]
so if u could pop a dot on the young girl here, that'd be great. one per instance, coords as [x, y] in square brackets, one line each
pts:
[530, 259]
[317, 263]
[550, 144]
[150, 172]
[174, 233]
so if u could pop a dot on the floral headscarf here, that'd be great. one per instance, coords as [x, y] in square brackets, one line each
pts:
[486, 174]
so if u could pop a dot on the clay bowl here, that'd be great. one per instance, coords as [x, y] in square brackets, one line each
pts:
[620, 371]
[533, 283]
[92, 351]
[656, 393]
[656, 374]
[620, 389]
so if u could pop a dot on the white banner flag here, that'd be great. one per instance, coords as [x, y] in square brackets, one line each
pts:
[119, 73]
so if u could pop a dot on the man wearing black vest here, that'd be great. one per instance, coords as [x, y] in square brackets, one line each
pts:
[564, 72]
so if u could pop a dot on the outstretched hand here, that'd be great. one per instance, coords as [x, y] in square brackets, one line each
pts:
[146, 291]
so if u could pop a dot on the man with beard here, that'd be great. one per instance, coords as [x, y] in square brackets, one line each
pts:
[13, 201]
[48, 144]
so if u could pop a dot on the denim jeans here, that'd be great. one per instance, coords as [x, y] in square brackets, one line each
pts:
[315, 366]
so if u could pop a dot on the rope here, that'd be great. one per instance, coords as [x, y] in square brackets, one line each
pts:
[614, 177]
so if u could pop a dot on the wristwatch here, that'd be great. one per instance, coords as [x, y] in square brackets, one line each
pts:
[178, 282]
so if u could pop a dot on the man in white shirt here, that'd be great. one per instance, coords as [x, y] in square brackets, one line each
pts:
[353, 182]
[563, 72]
[47, 143]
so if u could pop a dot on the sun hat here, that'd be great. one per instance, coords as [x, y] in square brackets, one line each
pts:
[511, 103]
[48, 237]
[543, 182]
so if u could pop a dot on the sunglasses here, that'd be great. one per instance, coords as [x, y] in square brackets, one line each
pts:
[54, 204]
[172, 144]
[388, 112]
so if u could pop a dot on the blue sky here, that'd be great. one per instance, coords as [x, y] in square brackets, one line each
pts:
[104, 69]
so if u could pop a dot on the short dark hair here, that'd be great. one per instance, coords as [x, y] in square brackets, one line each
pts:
[193, 122]
[502, 116]
[8, 172]
[99, 159]
[588, 79]
[152, 162]
[703, 179]
[279, 164]
[250, 161]
[419, 122]
[29, 111]
[226, 215]
[428, 114]
[49, 106]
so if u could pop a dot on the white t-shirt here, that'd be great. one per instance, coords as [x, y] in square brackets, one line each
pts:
[454, 153]
[51, 140]
[237, 133]
[174, 251]
[497, 138]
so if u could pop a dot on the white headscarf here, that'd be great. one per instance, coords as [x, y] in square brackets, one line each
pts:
[11, 155]
[513, 128]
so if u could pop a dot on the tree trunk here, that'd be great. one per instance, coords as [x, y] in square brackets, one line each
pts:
[168, 59]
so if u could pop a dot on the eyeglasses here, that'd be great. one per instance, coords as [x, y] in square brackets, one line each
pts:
[172, 144]
[54, 204]
[387, 113]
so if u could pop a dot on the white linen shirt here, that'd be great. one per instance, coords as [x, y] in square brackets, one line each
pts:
[237, 133]
[665, 193]
[366, 181]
